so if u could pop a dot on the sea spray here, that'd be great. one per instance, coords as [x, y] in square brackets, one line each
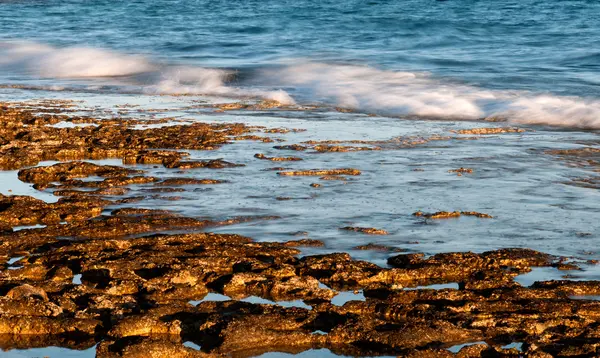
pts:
[360, 88]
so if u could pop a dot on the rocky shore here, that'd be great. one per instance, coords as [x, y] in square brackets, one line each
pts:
[138, 282]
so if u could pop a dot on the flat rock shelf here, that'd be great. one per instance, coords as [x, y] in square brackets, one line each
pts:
[119, 265]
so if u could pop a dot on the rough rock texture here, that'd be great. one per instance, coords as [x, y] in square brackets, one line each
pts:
[320, 172]
[25, 140]
[480, 131]
[451, 214]
[137, 282]
[365, 230]
[277, 159]
[71, 170]
[25, 210]
[460, 171]
[134, 297]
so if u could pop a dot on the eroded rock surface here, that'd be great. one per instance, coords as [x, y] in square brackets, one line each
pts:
[25, 210]
[277, 159]
[451, 214]
[365, 230]
[134, 296]
[321, 172]
[480, 131]
[123, 280]
[26, 139]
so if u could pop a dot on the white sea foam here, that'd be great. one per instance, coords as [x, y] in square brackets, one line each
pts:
[362, 88]
[128, 71]
[198, 80]
[405, 93]
[557, 111]
[386, 92]
[72, 62]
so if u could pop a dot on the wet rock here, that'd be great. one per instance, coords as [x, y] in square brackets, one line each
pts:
[296, 147]
[257, 138]
[144, 326]
[287, 287]
[24, 210]
[64, 171]
[476, 214]
[26, 291]
[365, 230]
[31, 141]
[320, 172]
[139, 287]
[28, 306]
[188, 181]
[338, 270]
[342, 148]
[590, 183]
[480, 131]
[460, 171]
[283, 130]
[29, 325]
[164, 157]
[211, 164]
[266, 104]
[277, 159]
[106, 183]
[111, 277]
[473, 350]
[438, 215]
[331, 146]
[572, 288]
[577, 152]
[451, 214]
[305, 243]
[334, 177]
[164, 190]
[114, 191]
[377, 247]
[275, 169]
[141, 212]
[149, 348]
[408, 335]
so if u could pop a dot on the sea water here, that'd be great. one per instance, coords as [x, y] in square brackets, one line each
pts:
[528, 61]
[421, 67]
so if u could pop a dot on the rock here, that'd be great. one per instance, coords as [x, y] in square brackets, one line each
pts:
[320, 172]
[366, 230]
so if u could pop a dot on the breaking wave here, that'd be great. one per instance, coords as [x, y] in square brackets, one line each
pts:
[130, 72]
[362, 88]
[406, 93]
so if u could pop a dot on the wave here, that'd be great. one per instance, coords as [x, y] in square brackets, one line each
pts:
[129, 72]
[72, 62]
[362, 88]
[384, 92]
[395, 93]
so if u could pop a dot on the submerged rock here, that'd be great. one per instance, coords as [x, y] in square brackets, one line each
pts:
[134, 294]
[141, 282]
[321, 172]
[481, 131]
[277, 159]
[451, 214]
[366, 230]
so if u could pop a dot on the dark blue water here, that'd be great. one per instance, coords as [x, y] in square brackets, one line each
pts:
[526, 62]
[516, 49]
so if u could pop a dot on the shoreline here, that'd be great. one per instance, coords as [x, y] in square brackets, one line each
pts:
[122, 278]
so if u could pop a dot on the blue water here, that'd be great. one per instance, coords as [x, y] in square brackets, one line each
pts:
[529, 61]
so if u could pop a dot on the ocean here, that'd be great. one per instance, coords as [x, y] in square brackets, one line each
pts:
[402, 83]
[525, 61]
